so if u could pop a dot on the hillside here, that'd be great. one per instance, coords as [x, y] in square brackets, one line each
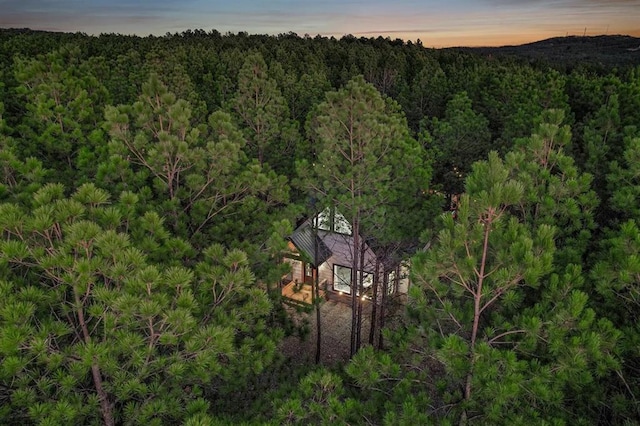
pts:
[608, 51]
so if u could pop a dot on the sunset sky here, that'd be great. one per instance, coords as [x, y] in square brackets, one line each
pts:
[437, 23]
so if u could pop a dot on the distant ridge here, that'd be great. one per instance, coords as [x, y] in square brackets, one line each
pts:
[606, 50]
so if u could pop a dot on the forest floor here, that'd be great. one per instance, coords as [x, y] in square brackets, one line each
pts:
[335, 327]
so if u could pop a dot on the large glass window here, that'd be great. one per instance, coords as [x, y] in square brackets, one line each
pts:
[334, 221]
[342, 279]
[341, 224]
[325, 221]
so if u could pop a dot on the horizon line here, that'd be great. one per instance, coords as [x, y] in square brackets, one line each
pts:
[374, 34]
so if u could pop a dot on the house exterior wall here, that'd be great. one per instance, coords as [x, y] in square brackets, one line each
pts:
[341, 246]
[296, 270]
[342, 255]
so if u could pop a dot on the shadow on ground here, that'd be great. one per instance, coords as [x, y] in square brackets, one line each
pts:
[335, 333]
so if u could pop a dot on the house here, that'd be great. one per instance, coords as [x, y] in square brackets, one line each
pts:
[323, 246]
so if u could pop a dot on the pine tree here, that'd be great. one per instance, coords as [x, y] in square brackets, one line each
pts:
[615, 277]
[362, 143]
[556, 192]
[623, 182]
[515, 333]
[64, 103]
[272, 137]
[478, 263]
[461, 138]
[18, 178]
[105, 317]
[198, 173]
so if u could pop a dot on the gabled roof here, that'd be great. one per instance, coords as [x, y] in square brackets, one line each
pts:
[306, 240]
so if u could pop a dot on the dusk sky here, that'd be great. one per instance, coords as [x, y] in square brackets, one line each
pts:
[437, 23]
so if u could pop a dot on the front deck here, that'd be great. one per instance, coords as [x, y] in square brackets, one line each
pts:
[300, 292]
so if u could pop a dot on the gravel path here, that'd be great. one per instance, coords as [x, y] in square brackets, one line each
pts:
[335, 333]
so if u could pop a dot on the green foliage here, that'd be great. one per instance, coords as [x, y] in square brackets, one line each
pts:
[19, 179]
[456, 142]
[624, 182]
[366, 163]
[87, 316]
[426, 95]
[63, 105]
[367, 167]
[174, 196]
[170, 64]
[516, 341]
[196, 173]
[389, 392]
[512, 97]
[321, 400]
[473, 274]
[272, 137]
[616, 278]
[556, 192]
[301, 90]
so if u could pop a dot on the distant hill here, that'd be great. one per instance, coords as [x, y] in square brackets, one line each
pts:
[604, 50]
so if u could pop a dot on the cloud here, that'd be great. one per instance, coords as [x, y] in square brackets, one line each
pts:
[391, 32]
[629, 5]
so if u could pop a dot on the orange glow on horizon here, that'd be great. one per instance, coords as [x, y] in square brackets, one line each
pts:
[450, 39]
[437, 25]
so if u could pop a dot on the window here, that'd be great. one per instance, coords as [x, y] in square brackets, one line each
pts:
[342, 279]
[308, 273]
[324, 220]
[341, 224]
[391, 283]
[367, 280]
[333, 221]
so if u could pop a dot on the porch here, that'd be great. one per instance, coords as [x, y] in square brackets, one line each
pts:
[301, 292]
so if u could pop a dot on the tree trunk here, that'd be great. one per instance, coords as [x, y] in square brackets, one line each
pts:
[105, 406]
[374, 307]
[316, 301]
[360, 295]
[476, 311]
[354, 282]
[383, 304]
[359, 322]
[316, 294]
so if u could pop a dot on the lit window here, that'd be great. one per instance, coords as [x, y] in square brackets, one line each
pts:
[342, 279]
[333, 221]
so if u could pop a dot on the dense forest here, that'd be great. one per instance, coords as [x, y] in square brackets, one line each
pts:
[148, 186]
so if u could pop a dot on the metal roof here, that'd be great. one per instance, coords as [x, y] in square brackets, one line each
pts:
[303, 239]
